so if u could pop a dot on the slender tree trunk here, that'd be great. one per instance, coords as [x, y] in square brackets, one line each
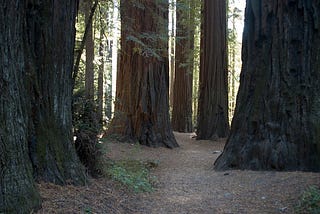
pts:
[88, 26]
[142, 83]
[18, 193]
[109, 83]
[89, 74]
[182, 86]
[172, 51]
[101, 74]
[213, 90]
[50, 38]
[276, 123]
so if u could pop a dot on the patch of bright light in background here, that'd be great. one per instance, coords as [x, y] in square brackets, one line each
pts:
[241, 5]
[234, 72]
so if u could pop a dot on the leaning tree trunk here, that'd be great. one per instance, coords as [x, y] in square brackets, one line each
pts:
[18, 193]
[276, 123]
[50, 34]
[141, 111]
[182, 86]
[213, 90]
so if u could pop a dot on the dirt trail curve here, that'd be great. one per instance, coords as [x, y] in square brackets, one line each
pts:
[187, 184]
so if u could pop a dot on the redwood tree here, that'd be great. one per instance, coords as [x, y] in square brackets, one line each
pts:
[276, 123]
[17, 190]
[182, 86]
[50, 34]
[36, 57]
[213, 90]
[141, 110]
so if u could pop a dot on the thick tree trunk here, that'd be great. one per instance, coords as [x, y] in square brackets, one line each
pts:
[213, 90]
[142, 81]
[276, 123]
[50, 34]
[18, 193]
[182, 86]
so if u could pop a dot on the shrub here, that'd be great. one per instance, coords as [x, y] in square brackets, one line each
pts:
[309, 201]
[133, 174]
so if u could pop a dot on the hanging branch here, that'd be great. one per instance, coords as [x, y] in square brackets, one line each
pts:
[80, 51]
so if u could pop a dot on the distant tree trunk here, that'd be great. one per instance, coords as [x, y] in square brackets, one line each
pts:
[172, 4]
[108, 91]
[213, 90]
[100, 74]
[182, 86]
[18, 193]
[50, 37]
[276, 123]
[142, 83]
[79, 51]
[89, 74]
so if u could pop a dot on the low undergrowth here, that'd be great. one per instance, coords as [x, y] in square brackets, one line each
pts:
[309, 202]
[133, 174]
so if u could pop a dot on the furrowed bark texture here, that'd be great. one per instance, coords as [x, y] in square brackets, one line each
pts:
[213, 90]
[142, 83]
[51, 31]
[18, 193]
[276, 123]
[182, 86]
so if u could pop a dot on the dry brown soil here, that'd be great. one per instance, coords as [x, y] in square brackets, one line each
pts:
[187, 184]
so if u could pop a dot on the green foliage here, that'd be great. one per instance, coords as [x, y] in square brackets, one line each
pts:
[309, 201]
[133, 174]
[87, 210]
[86, 129]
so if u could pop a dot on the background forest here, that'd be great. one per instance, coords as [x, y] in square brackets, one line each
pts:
[77, 76]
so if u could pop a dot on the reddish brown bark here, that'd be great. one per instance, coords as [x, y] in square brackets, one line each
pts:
[142, 80]
[213, 90]
[182, 86]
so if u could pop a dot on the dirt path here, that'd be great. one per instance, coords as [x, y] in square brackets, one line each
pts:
[187, 184]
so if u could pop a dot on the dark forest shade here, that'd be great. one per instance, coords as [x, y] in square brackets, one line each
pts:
[213, 90]
[141, 108]
[182, 86]
[277, 118]
[18, 193]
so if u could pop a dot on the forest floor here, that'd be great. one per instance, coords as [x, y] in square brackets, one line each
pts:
[186, 183]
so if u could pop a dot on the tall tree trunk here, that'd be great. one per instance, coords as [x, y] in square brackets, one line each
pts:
[89, 75]
[18, 193]
[142, 83]
[276, 123]
[109, 83]
[172, 38]
[213, 90]
[182, 87]
[79, 51]
[100, 73]
[50, 35]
